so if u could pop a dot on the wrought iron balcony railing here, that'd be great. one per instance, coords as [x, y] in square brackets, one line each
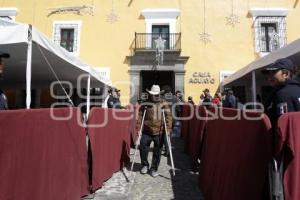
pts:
[147, 41]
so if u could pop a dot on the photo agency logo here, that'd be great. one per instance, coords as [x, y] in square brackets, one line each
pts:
[64, 94]
[68, 96]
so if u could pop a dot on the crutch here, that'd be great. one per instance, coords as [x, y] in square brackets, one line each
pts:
[138, 140]
[169, 142]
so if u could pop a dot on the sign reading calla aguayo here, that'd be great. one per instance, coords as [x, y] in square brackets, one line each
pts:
[202, 78]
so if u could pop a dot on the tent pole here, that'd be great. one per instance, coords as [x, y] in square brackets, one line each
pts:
[253, 87]
[88, 103]
[28, 68]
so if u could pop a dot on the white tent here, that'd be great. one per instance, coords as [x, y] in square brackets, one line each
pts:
[291, 51]
[38, 65]
[251, 74]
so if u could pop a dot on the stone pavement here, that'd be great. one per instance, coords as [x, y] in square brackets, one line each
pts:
[184, 186]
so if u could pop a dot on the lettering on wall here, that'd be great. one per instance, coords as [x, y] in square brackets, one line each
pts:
[202, 78]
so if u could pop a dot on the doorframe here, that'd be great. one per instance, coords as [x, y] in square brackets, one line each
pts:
[135, 78]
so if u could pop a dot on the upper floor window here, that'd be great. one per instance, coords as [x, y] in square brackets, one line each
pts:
[67, 39]
[270, 33]
[67, 35]
[269, 28]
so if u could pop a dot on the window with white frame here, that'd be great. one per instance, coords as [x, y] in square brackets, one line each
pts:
[67, 35]
[269, 28]
[270, 33]
[161, 22]
[8, 13]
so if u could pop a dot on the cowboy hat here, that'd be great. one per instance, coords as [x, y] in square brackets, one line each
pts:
[155, 90]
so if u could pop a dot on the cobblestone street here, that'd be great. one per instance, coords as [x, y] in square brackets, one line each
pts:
[137, 186]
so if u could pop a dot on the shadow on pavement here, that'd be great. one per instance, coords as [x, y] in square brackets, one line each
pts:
[185, 182]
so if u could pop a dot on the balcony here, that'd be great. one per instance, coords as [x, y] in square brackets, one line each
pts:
[146, 41]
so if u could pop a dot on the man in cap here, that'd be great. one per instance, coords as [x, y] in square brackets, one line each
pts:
[153, 129]
[286, 94]
[3, 99]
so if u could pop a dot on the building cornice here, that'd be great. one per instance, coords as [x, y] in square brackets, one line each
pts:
[280, 12]
[8, 11]
[160, 13]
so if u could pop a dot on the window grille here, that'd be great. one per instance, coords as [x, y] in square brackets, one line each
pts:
[270, 33]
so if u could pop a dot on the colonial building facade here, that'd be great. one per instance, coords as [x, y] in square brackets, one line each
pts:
[188, 45]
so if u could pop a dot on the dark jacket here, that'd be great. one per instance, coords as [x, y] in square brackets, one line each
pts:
[230, 101]
[284, 98]
[153, 123]
[114, 102]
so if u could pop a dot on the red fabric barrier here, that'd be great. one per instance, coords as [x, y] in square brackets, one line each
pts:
[194, 137]
[110, 143]
[288, 142]
[42, 158]
[185, 123]
[235, 155]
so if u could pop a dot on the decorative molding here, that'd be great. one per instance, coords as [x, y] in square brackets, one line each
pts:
[79, 10]
[10, 12]
[278, 12]
[160, 13]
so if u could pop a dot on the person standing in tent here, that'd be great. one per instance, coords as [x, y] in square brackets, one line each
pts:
[230, 100]
[286, 94]
[3, 99]
[153, 129]
[114, 99]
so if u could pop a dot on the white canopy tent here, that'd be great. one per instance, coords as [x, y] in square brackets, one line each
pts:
[252, 72]
[40, 64]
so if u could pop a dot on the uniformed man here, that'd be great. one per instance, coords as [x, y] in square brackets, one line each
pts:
[286, 94]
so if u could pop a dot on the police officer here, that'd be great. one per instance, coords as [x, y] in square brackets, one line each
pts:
[3, 99]
[286, 94]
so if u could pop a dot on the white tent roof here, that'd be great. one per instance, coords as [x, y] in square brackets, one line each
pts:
[14, 40]
[291, 51]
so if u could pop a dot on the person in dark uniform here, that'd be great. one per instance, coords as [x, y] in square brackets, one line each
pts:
[286, 94]
[3, 99]
[114, 99]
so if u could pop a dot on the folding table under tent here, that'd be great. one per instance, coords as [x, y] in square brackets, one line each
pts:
[36, 61]
[251, 76]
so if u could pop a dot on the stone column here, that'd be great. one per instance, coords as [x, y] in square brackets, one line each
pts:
[179, 81]
[135, 85]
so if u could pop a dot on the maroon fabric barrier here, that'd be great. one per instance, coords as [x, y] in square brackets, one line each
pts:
[235, 156]
[185, 123]
[42, 158]
[110, 142]
[194, 137]
[288, 143]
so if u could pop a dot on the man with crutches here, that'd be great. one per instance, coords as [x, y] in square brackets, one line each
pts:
[153, 129]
